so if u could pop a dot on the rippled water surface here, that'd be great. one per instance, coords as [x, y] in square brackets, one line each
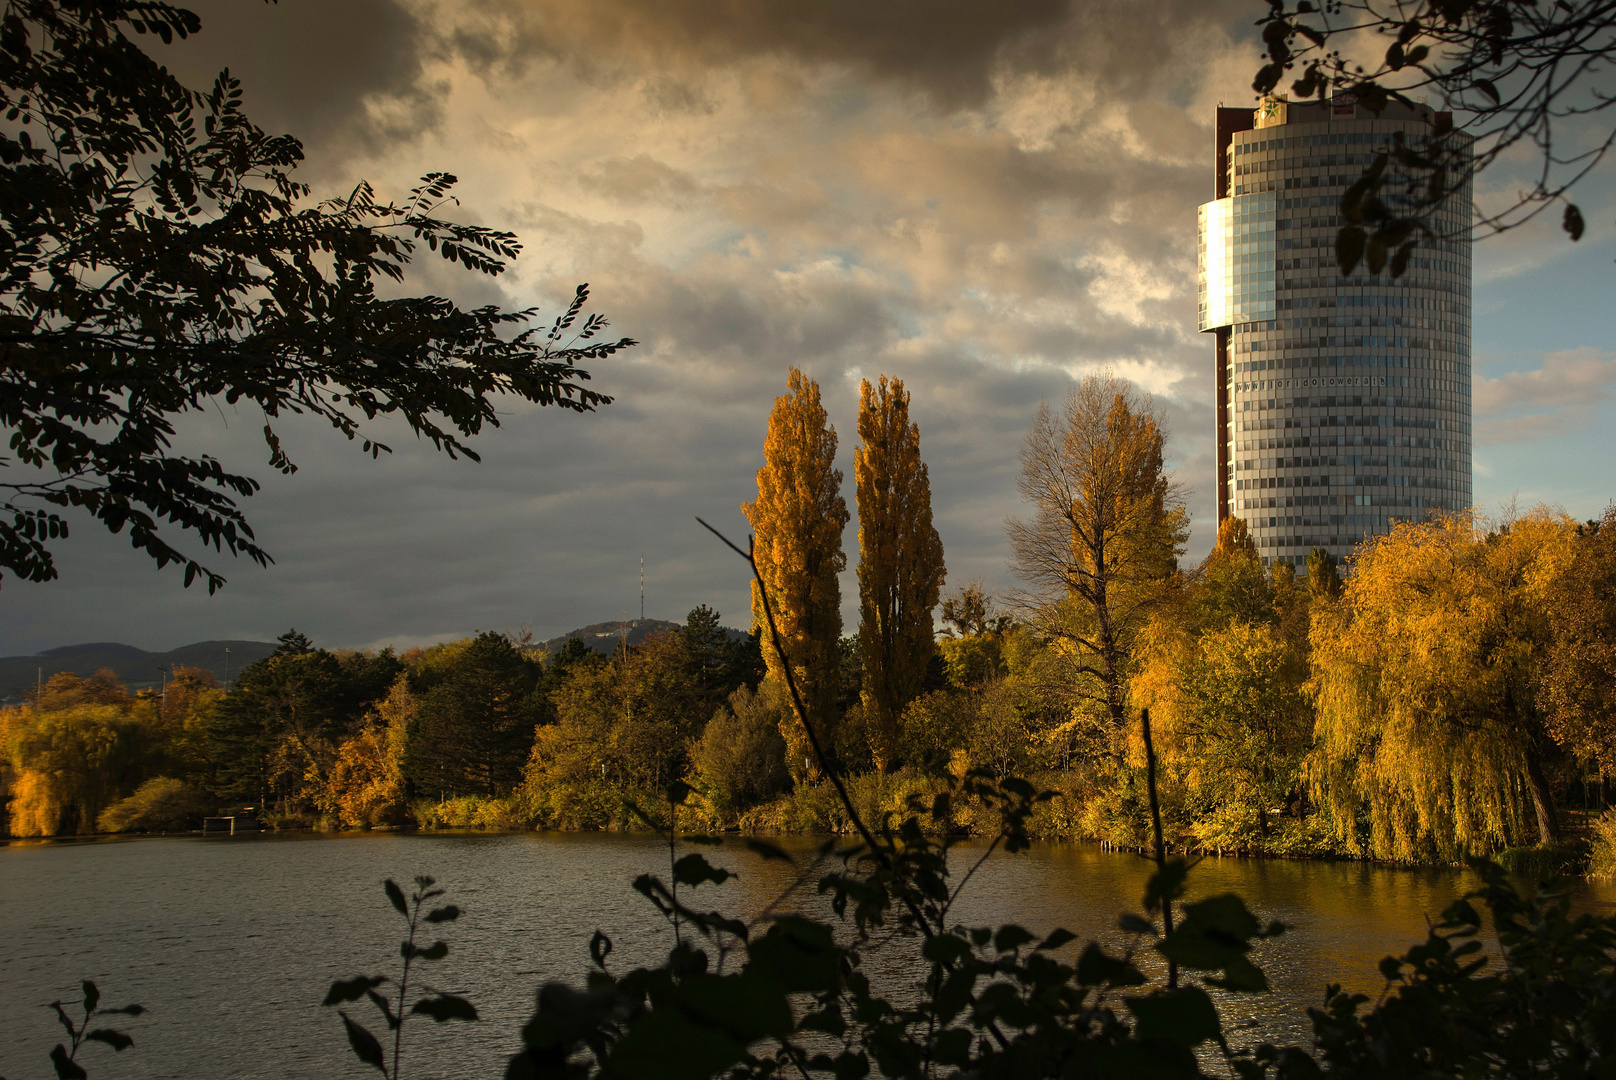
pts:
[232, 942]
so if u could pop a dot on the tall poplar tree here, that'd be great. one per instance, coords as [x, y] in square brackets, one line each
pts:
[900, 561]
[797, 523]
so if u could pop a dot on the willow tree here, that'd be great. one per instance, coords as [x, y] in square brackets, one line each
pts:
[1430, 737]
[900, 570]
[1580, 676]
[797, 522]
[1101, 549]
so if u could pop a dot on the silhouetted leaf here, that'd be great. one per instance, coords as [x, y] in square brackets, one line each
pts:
[946, 949]
[351, 989]
[766, 849]
[600, 947]
[1375, 254]
[1215, 935]
[447, 913]
[1011, 937]
[365, 1046]
[436, 951]
[1134, 924]
[66, 1021]
[445, 1007]
[1056, 939]
[1185, 1016]
[1349, 247]
[92, 996]
[66, 1067]
[664, 1044]
[1167, 883]
[694, 869]
[395, 896]
[1400, 258]
[1572, 222]
[745, 1007]
[384, 1005]
[1096, 967]
[798, 954]
[115, 1039]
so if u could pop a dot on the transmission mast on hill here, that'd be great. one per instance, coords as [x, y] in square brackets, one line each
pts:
[642, 586]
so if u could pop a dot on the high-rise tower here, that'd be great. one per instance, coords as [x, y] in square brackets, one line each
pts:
[1343, 403]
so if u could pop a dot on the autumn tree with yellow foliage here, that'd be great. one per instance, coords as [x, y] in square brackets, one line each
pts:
[1222, 671]
[1431, 738]
[900, 569]
[1580, 674]
[1101, 550]
[797, 522]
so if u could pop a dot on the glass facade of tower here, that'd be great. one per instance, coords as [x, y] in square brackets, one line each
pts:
[1343, 402]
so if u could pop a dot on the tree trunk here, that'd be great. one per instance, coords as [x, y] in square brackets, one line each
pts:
[1542, 801]
[1604, 790]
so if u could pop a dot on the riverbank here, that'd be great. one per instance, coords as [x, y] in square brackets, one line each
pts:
[1588, 849]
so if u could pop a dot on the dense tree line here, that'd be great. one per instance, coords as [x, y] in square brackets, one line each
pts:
[1449, 692]
[312, 736]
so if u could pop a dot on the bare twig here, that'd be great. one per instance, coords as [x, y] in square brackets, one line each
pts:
[1161, 847]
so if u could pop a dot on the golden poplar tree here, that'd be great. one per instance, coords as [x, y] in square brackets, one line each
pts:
[900, 561]
[797, 523]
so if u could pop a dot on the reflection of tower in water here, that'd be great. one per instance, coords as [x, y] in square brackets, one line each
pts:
[1343, 403]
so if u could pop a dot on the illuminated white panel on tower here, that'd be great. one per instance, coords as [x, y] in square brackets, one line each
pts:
[1235, 268]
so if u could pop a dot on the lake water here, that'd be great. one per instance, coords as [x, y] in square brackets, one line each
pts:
[231, 942]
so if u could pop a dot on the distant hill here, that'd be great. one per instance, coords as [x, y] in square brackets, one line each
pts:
[604, 636]
[136, 667]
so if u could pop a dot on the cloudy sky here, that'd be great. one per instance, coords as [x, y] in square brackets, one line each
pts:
[986, 200]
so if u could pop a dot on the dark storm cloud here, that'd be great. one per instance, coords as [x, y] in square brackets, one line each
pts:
[949, 50]
[345, 76]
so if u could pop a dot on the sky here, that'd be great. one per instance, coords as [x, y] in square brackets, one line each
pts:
[988, 201]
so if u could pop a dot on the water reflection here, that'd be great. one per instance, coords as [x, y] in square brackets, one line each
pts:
[232, 941]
